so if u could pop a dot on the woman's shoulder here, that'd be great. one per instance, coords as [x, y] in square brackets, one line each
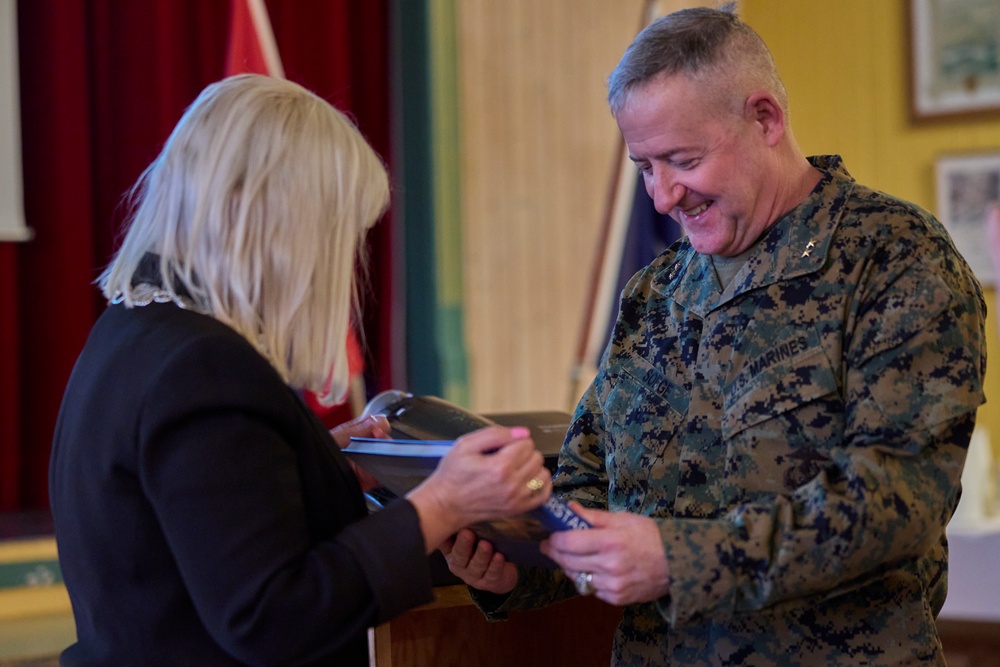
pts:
[189, 357]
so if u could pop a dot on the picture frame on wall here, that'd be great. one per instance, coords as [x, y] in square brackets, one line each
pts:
[955, 57]
[965, 186]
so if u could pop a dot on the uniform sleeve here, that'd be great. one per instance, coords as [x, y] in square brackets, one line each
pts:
[581, 476]
[218, 468]
[913, 369]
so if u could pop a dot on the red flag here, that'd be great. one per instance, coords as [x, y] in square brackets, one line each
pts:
[253, 50]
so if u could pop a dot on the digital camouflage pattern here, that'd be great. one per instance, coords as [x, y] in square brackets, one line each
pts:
[799, 436]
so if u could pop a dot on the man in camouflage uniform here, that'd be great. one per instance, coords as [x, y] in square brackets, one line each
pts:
[774, 441]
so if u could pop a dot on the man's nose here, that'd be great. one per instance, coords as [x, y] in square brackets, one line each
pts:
[665, 191]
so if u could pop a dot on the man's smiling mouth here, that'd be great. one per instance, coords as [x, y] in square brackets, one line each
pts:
[697, 210]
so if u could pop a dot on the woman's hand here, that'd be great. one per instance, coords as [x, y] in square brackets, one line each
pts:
[492, 473]
[373, 426]
[478, 565]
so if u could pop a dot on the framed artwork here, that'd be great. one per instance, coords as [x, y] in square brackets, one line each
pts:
[966, 186]
[955, 57]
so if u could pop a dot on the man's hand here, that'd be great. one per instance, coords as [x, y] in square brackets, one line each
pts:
[478, 565]
[622, 551]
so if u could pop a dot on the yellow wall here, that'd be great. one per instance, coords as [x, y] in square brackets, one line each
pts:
[846, 66]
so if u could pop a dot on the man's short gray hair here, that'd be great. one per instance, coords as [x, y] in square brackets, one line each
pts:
[703, 44]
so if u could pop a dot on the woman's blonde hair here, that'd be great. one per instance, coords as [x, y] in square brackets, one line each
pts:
[256, 208]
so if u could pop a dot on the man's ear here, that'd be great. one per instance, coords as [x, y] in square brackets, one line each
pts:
[762, 109]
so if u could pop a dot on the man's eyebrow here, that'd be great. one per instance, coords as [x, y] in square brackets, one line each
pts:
[666, 155]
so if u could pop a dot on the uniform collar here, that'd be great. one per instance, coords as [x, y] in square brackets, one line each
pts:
[796, 244]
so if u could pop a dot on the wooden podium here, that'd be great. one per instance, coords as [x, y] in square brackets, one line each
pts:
[452, 631]
[578, 632]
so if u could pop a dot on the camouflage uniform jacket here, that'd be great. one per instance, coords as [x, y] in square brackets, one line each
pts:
[798, 436]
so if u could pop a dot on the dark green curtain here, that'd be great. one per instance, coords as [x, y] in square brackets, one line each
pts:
[429, 204]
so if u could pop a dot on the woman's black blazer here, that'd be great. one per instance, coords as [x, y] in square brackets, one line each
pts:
[204, 516]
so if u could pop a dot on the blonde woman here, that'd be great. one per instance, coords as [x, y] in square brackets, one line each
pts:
[203, 515]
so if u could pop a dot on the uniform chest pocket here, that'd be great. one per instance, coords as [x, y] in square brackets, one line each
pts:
[776, 390]
[646, 405]
[645, 410]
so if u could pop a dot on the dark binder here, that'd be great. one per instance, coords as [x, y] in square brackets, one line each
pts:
[422, 428]
[431, 418]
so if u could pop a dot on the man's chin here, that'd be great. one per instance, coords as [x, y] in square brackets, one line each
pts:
[705, 246]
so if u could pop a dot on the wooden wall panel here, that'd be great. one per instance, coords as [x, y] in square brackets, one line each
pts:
[538, 144]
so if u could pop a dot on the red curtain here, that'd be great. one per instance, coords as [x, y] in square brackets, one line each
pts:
[102, 85]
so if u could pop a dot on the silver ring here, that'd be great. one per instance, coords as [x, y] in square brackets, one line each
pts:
[584, 583]
[535, 485]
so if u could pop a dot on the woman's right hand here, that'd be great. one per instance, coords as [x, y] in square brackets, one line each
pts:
[485, 476]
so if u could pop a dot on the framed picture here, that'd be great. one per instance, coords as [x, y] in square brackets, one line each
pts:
[955, 57]
[966, 186]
